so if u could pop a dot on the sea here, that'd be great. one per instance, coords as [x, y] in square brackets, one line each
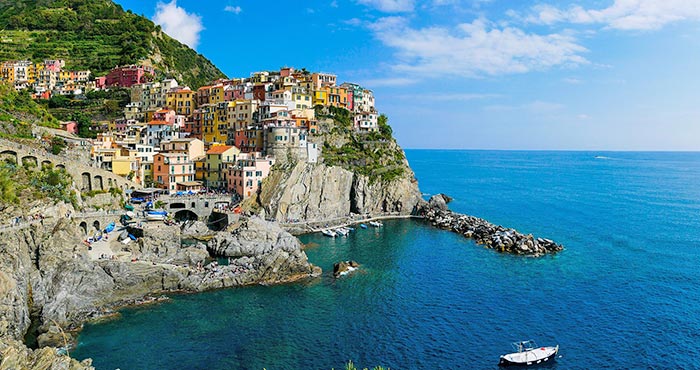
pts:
[624, 293]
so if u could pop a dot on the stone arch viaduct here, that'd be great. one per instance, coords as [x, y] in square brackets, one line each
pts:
[86, 178]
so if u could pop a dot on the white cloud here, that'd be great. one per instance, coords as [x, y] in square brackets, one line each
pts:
[178, 23]
[390, 6]
[572, 81]
[233, 9]
[622, 14]
[353, 22]
[474, 49]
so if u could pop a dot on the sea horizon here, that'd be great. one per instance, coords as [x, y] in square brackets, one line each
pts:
[555, 150]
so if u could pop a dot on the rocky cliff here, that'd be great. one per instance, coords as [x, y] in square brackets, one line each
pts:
[48, 277]
[357, 173]
[318, 192]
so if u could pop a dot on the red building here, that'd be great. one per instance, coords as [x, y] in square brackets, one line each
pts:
[249, 140]
[127, 76]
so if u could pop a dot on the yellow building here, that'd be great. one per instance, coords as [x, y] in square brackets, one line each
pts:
[216, 94]
[321, 97]
[181, 101]
[302, 98]
[218, 159]
[221, 116]
[200, 164]
[205, 118]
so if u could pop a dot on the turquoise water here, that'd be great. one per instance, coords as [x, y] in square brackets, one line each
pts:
[624, 293]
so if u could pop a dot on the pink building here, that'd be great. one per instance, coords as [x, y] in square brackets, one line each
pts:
[166, 115]
[70, 127]
[128, 75]
[100, 83]
[54, 65]
[247, 175]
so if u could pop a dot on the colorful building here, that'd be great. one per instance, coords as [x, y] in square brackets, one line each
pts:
[127, 76]
[181, 100]
[218, 159]
[170, 169]
[245, 178]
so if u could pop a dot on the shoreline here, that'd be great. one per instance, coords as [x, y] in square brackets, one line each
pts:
[290, 227]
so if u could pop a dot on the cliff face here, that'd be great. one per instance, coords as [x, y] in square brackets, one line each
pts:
[317, 192]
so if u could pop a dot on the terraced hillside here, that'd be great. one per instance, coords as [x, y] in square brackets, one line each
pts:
[96, 35]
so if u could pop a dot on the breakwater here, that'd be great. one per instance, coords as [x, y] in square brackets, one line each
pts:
[499, 238]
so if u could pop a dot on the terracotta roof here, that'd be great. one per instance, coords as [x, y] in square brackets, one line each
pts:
[159, 123]
[219, 149]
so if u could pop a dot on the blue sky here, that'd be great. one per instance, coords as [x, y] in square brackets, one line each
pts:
[477, 74]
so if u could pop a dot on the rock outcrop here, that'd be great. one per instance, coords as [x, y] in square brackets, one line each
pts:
[316, 192]
[492, 236]
[47, 275]
[344, 267]
[15, 355]
[263, 248]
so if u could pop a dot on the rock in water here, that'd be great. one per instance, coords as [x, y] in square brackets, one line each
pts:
[344, 267]
[439, 201]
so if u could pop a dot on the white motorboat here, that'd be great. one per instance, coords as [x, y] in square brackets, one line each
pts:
[376, 224]
[527, 353]
[342, 231]
[154, 215]
[328, 233]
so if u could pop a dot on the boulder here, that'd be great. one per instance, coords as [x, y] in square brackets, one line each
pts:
[344, 267]
[438, 202]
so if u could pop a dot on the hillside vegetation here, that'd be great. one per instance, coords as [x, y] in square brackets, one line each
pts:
[96, 35]
[18, 112]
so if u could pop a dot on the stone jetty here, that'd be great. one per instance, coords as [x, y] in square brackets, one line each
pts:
[491, 236]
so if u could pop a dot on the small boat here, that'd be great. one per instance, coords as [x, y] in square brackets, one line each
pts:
[527, 353]
[156, 215]
[376, 224]
[341, 231]
[328, 233]
[363, 226]
[350, 228]
[109, 227]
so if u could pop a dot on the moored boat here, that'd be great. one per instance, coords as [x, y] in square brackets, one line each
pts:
[156, 215]
[363, 226]
[527, 353]
[341, 231]
[328, 233]
[376, 224]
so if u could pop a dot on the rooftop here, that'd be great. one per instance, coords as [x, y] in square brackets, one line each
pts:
[219, 149]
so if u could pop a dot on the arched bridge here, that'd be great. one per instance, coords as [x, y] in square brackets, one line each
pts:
[196, 206]
[85, 177]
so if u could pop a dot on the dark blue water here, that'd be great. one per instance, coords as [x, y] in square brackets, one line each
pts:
[624, 294]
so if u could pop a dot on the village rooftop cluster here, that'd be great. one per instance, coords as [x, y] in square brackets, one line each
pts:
[224, 136]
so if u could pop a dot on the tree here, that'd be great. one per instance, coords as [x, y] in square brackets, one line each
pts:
[57, 145]
[384, 128]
